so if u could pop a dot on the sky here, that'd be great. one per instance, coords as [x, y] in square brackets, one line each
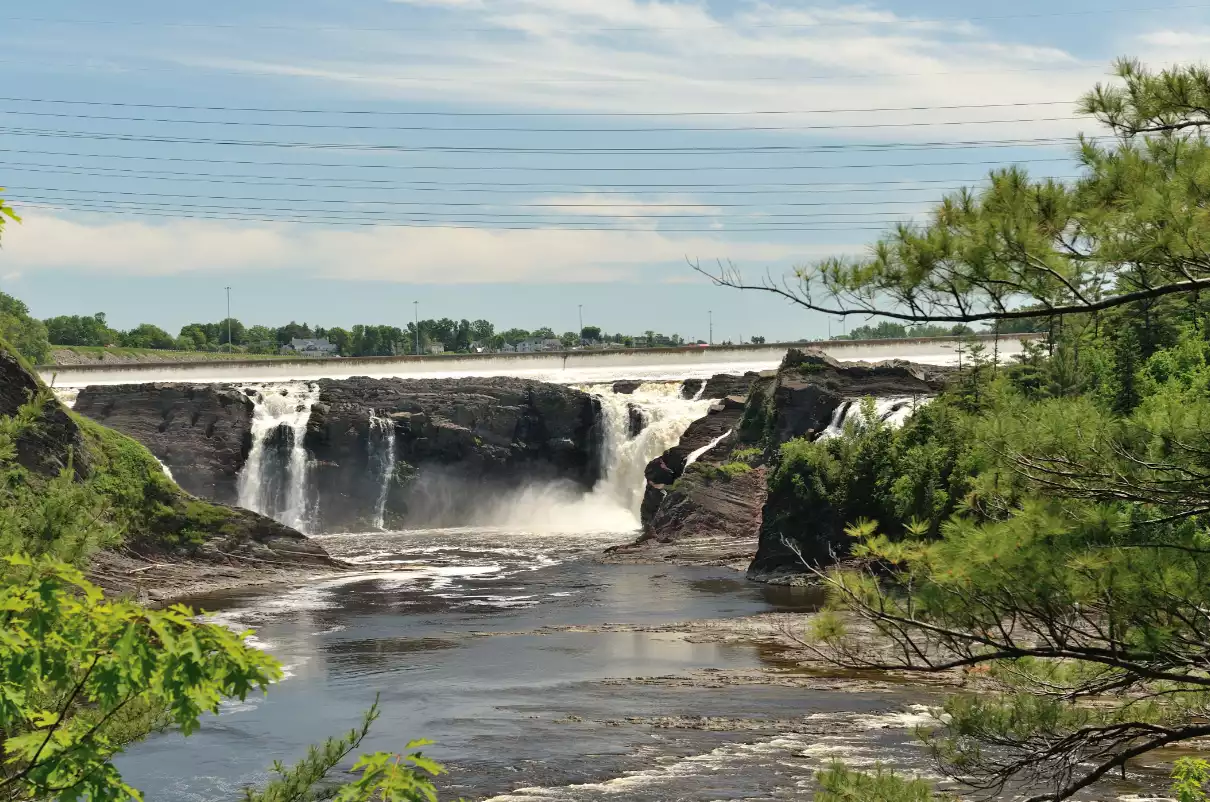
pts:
[525, 161]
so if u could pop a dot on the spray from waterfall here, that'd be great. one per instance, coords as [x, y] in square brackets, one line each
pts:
[381, 446]
[273, 481]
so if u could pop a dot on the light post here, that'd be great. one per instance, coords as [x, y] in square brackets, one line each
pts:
[228, 319]
[416, 309]
[710, 313]
[581, 307]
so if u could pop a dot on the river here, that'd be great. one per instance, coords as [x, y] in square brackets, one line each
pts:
[541, 672]
[501, 646]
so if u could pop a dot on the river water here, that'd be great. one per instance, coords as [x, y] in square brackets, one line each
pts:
[464, 634]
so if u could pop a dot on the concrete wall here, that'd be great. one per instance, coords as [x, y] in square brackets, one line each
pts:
[567, 367]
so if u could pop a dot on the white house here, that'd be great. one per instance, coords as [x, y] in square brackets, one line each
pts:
[310, 347]
[436, 348]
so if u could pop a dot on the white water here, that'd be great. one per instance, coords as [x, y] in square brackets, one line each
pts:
[382, 460]
[892, 411]
[696, 455]
[263, 486]
[574, 368]
[164, 467]
[624, 457]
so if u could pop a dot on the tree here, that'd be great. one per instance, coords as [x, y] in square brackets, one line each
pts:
[290, 331]
[758, 340]
[1070, 582]
[570, 339]
[341, 339]
[590, 334]
[1126, 232]
[514, 336]
[81, 330]
[147, 335]
[25, 333]
[544, 332]
[482, 331]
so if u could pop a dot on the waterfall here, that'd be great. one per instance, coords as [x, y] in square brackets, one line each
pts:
[624, 458]
[163, 467]
[273, 481]
[696, 455]
[892, 411]
[700, 391]
[381, 445]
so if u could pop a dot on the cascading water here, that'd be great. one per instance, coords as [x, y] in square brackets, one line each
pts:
[273, 481]
[892, 411]
[624, 457]
[164, 468]
[382, 462]
[696, 455]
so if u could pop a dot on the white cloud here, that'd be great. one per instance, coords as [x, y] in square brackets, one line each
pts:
[627, 55]
[415, 255]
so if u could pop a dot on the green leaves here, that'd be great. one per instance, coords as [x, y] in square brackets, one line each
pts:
[74, 665]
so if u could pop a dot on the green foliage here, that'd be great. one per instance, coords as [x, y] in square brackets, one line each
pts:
[1189, 779]
[748, 455]
[384, 777]
[919, 473]
[71, 662]
[82, 330]
[839, 784]
[886, 330]
[27, 335]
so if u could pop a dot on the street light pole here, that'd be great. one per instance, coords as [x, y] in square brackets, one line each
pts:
[416, 309]
[228, 318]
[711, 315]
[581, 321]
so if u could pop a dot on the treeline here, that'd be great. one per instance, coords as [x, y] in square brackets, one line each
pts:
[361, 340]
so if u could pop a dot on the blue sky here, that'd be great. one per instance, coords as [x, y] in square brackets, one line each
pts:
[514, 159]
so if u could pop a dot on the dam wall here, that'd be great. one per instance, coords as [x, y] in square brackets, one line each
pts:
[567, 367]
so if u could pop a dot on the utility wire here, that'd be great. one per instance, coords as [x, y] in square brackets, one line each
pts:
[500, 167]
[385, 185]
[375, 112]
[324, 221]
[517, 129]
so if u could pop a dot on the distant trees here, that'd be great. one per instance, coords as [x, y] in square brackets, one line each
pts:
[23, 332]
[888, 330]
[147, 335]
[590, 334]
[81, 330]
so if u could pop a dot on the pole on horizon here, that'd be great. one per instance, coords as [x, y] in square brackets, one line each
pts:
[581, 306]
[416, 309]
[710, 314]
[228, 319]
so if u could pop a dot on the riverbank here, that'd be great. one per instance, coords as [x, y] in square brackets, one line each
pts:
[160, 582]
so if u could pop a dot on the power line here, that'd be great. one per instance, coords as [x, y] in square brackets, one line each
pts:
[468, 184]
[389, 186]
[51, 133]
[494, 168]
[480, 79]
[899, 22]
[520, 129]
[460, 204]
[326, 221]
[327, 203]
[375, 112]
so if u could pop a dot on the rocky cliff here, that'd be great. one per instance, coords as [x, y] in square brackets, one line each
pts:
[160, 527]
[713, 510]
[420, 451]
[203, 433]
[455, 443]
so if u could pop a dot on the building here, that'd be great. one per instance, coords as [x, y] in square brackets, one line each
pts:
[552, 344]
[508, 348]
[436, 348]
[317, 347]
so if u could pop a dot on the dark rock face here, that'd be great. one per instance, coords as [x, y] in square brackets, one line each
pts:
[201, 432]
[708, 513]
[456, 443]
[721, 385]
[56, 442]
